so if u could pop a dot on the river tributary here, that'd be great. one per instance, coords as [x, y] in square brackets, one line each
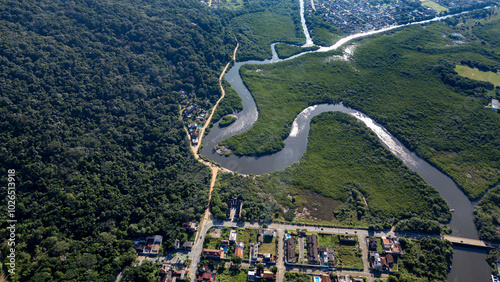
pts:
[469, 265]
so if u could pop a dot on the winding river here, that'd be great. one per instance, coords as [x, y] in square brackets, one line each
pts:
[468, 265]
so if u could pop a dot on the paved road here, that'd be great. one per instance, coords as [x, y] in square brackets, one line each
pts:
[281, 255]
[195, 253]
[280, 227]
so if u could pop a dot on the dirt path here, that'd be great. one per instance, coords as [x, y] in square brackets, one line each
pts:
[215, 169]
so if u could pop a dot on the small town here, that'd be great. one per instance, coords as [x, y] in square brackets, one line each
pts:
[358, 16]
[249, 251]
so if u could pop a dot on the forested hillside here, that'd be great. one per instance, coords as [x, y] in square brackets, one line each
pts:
[89, 119]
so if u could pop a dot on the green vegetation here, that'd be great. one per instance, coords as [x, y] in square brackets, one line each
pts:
[230, 104]
[346, 163]
[297, 277]
[287, 50]
[487, 216]
[232, 274]
[261, 23]
[227, 120]
[422, 226]
[435, 6]
[256, 205]
[424, 260]
[268, 246]
[474, 73]
[89, 119]
[146, 272]
[347, 255]
[325, 240]
[247, 236]
[397, 79]
[323, 32]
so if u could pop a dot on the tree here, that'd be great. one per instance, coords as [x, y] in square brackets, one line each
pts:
[274, 269]
[260, 267]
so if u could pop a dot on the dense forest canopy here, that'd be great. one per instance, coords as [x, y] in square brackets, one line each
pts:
[89, 119]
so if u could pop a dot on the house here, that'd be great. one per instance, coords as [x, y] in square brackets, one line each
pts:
[267, 257]
[383, 262]
[372, 243]
[312, 249]
[386, 244]
[206, 274]
[377, 263]
[190, 226]
[290, 247]
[187, 245]
[238, 252]
[331, 255]
[213, 254]
[233, 236]
[325, 278]
[267, 275]
[495, 105]
[390, 259]
[251, 275]
[254, 251]
[152, 246]
[177, 244]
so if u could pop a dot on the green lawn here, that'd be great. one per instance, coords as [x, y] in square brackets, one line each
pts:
[474, 73]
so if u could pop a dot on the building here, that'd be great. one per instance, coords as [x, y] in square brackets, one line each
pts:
[177, 244]
[372, 243]
[290, 247]
[187, 245]
[206, 274]
[233, 236]
[213, 254]
[238, 251]
[267, 275]
[251, 276]
[312, 249]
[236, 206]
[150, 245]
[325, 278]
[254, 251]
[190, 226]
[495, 105]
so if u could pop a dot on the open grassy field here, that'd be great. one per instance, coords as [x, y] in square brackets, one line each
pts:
[347, 255]
[325, 240]
[247, 236]
[232, 275]
[268, 247]
[435, 6]
[474, 73]
[396, 79]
